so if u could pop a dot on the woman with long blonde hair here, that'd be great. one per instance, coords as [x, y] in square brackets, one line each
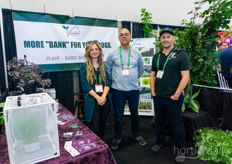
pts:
[96, 85]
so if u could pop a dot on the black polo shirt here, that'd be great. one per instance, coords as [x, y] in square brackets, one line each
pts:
[177, 62]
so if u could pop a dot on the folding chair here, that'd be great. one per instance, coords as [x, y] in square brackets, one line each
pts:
[223, 83]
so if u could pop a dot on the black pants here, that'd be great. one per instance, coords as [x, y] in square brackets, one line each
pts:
[164, 106]
[99, 119]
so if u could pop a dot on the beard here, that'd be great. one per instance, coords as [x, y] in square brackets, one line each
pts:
[125, 42]
[167, 46]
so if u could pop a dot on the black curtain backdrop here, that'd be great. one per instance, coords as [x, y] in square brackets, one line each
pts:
[2, 74]
[219, 106]
[9, 36]
[224, 110]
[63, 83]
[137, 28]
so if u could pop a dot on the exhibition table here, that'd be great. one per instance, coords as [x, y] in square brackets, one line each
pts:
[194, 121]
[101, 154]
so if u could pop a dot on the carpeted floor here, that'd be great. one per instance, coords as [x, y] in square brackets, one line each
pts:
[130, 152]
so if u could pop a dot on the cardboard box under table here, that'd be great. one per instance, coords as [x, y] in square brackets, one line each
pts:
[31, 128]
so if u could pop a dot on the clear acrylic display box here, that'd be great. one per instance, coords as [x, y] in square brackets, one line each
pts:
[31, 128]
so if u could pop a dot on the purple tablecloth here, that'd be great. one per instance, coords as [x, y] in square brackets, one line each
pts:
[100, 155]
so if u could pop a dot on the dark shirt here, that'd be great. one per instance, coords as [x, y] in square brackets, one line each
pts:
[89, 101]
[216, 56]
[226, 62]
[168, 85]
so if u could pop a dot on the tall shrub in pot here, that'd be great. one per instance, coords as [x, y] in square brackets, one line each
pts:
[199, 39]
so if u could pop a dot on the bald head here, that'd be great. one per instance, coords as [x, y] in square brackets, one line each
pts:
[124, 38]
[124, 30]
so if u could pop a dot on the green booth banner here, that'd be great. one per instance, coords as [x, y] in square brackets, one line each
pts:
[57, 43]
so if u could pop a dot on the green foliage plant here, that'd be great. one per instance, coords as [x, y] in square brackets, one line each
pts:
[191, 102]
[29, 131]
[146, 20]
[200, 39]
[1, 114]
[1, 118]
[214, 145]
[26, 73]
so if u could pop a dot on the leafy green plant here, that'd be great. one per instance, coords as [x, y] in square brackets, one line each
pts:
[26, 73]
[1, 114]
[146, 20]
[1, 118]
[126, 106]
[214, 145]
[199, 40]
[148, 106]
[191, 102]
[28, 131]
[142, 106]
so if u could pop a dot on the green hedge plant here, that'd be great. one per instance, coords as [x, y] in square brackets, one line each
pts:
[146, 20]
[199, 39]
[214, 145]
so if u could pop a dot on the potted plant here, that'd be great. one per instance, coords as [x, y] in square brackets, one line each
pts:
[28, 75]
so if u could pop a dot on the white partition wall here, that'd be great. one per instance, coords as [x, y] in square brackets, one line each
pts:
[165, 12]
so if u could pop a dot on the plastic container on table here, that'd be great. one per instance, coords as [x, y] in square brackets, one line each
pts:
[31, 128]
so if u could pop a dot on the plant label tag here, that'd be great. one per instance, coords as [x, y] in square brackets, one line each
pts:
[125, 72]
[98, 88]
[160, 74]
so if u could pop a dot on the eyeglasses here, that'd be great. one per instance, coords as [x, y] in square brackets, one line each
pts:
[126, 34]
[92, 41]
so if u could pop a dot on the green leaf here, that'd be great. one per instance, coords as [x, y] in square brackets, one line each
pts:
[196, 94]
[194, 106]
[1, 118]
[183, 107]
[65, 27]
[2, 105]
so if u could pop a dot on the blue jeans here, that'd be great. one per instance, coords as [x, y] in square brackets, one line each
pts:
[164, 106]
[119, 100]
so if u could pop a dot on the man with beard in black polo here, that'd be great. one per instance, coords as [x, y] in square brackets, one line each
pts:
[169, 77]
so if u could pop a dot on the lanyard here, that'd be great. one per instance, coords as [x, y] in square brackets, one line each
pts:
[165, 61]
[99, 77]
[128, 63]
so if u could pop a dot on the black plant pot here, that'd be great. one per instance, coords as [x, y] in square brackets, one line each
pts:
[30, 88]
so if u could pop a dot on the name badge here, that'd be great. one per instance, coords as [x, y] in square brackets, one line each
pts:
[125, 72]
[98, 88]
[160, 74]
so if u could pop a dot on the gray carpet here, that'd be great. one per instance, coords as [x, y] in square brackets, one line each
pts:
[130, 152]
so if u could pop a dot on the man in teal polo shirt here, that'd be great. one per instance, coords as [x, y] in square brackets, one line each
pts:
[223, 45]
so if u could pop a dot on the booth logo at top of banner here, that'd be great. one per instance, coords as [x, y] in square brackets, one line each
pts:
[74, 31]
